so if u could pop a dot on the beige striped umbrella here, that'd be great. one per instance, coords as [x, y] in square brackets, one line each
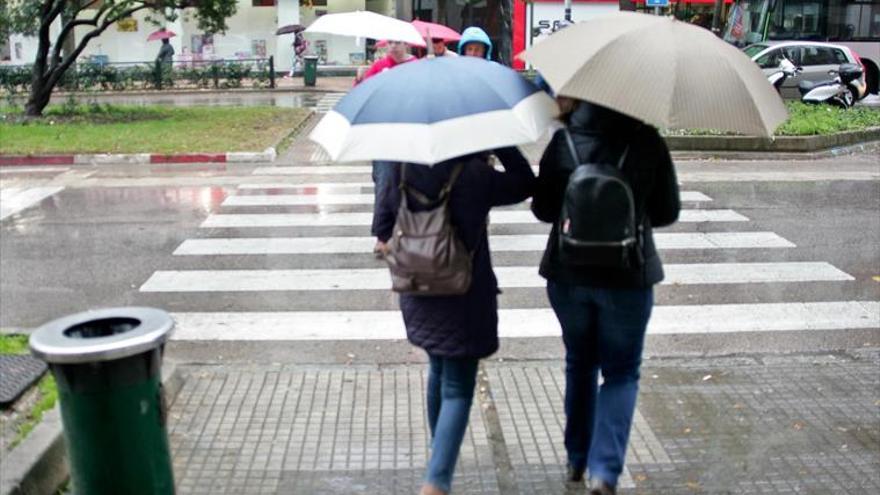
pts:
[665, 72]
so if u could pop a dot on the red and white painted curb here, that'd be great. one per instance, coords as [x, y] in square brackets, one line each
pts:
[138, 158]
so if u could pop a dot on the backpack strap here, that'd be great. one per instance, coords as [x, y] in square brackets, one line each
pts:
[571, 148]
[444, 193]
[422, 198]
[577, 160]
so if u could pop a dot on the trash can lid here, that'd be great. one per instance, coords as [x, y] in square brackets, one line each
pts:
[101, 335]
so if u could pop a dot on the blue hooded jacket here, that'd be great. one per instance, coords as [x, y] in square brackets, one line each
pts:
[475, 34]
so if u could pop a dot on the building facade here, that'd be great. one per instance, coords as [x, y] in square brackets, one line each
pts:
[251, 31]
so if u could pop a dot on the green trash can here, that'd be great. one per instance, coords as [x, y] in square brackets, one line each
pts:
[310, 70]
[107, 365]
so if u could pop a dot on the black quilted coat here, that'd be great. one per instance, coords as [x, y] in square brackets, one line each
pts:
[466, 325]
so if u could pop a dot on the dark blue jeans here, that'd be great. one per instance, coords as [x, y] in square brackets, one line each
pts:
[603, 330]
[450, 393]
[382, 172]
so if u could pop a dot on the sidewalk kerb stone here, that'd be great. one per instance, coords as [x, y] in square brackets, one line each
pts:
[245, 156]
[112, 159]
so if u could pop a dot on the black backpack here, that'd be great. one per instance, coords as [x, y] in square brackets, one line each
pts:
[599, 224]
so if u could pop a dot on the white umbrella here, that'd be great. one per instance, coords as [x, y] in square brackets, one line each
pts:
[668, 73]
[431, 110]
[367, 25]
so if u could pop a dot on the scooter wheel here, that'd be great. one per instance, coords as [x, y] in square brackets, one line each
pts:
[849, 98]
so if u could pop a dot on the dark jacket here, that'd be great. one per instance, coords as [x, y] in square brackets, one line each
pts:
[600, 135]
[466, 325]
[166, 53]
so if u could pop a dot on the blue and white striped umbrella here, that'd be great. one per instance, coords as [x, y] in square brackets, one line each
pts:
[432, 110]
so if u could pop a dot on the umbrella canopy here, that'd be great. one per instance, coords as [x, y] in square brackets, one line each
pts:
[290, 28]
[436, 31]
[432, 110]
[665, 72]
[162, 34]
[367, 25]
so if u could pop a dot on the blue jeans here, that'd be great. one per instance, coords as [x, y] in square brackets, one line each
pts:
[382, 174]
[603, 330]
[450, 393]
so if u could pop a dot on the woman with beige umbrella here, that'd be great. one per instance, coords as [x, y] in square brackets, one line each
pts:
[605, 181]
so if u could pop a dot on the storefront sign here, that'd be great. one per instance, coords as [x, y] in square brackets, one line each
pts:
[127, 25]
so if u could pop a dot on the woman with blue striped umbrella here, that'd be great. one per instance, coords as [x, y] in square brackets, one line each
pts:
[446, 113]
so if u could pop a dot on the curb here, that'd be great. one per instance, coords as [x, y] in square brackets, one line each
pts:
[39, 464]
[268, 155]
[860, 147]
[781, 144]
[693, 147]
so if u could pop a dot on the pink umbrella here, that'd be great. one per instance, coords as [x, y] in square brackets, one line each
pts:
[436, 31]
[161, 34]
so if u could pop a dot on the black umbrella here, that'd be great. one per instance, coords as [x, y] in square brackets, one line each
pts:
[290, 28]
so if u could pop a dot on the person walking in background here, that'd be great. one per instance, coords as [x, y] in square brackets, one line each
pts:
[398, 53]
[475, 42]
[440, 50]
[603, 305]
[455, 331]
[300, 45]
[166, 53]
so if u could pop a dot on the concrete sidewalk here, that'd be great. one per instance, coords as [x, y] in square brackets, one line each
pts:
[747, 424]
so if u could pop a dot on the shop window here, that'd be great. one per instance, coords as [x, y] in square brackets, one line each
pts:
[263, 3]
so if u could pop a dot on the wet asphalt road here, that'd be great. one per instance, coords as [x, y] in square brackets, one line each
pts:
[94, 243]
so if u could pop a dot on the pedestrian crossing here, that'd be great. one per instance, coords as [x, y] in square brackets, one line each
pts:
[330, 272]
[328, 101]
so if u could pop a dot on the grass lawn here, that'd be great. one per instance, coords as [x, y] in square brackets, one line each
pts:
[809, 120]
[47, 391]
[99, 128]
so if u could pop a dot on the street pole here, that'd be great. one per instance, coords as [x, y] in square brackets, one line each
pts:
[568, 10]
[716, 18]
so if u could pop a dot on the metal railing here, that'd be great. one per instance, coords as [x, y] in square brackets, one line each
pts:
[97, 75]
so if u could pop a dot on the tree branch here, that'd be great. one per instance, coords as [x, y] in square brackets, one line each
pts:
[48, 13]
[70, 26]
[59, 70]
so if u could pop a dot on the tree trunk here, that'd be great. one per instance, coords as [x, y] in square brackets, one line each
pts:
[39, 97]
[629, 5]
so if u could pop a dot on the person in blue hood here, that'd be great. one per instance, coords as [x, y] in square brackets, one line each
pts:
[475, 42]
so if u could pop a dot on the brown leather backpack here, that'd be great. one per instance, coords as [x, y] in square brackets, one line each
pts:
[425, 255]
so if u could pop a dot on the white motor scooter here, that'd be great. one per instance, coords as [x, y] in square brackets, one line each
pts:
[837, 91]
[785, 71]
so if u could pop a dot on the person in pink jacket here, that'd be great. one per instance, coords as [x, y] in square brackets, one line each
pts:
[397, 54]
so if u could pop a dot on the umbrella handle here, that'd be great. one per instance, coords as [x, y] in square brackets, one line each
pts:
[428, 44]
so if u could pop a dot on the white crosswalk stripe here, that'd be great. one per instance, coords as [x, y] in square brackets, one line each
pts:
[498, 243]
[508, 277]
[499, 217]
[14, 200]
[328, 101]
[371, 325]
[338, 197]
[225, 233]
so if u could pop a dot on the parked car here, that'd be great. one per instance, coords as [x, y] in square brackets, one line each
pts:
[815, 58]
